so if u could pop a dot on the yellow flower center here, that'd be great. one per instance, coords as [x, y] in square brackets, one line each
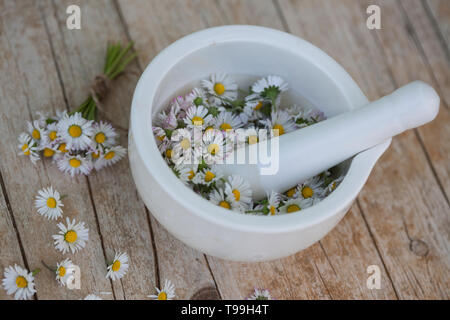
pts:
[209, 128]
[272, 210]
[70, 236]
[213, 148]
[258, 106]
[290, 193]
[110, 155]
[25, 147]
[198, 121]
[160, 138]
[169, 153]
[225, 205]
[75, 131]
[36, 134]
[48, 152]
[191, 174]
[162, 296]
[237, 194]
[116, 266]
[307, 192]
[100, 137]
[74, 163]
[52, 135]
[209, 176]
[21, 282]
[280, 129]
[51, 203]
[292, 208]
[225, 126]
[252, 139]
[62, 147]
[333, 186]
[96, 155]
[185, 143]
[62, 271]
[219, 88]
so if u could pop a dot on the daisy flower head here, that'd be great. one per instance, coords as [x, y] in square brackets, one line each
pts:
[110, 156]
[238, 190]
[28, 147]
[269, 87]
[72, 237]
[167, 120]
[228, 121]
[296, 204]
[215, 148]
[92, 296]
[64, 271]
[37, 131]
[103, 135]
[280, 122]
[76, 131]
[119, 266]
[219, 198]
[167, 292]
[273, 201]
[333, 185]
[52, 133]
[18, 281]
[221, 88]
[197, 97]
[305, 116]
[260, 294]
[183, 151]
[162, 141]
[74, 164]
[48, 203]
[186, 172]
[208, 176]
[311, 188]
[197, 116]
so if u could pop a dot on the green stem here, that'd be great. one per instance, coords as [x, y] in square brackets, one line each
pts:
[36, 271]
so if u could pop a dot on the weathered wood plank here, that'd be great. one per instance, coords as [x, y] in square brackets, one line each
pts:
[235, 280]
[440, 9]
[32, 84]
[122, 216]
[392, 197]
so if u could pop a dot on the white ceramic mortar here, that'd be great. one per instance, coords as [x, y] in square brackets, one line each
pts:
[247, 50]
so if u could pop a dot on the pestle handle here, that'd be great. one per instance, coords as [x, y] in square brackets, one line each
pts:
[307, 152]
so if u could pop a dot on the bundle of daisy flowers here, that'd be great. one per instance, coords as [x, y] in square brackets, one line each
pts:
[218, 108]
[75, 141]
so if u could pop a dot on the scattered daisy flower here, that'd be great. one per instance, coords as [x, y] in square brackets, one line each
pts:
[64, 271]
[311, 188]
[52, 133]
[227, 121]
[48, 202]
[221, 88]
[260, 294]
[197, 97]
[238, 189]
[270, 87]
[27, 147]
[76, 131]
[37, 131]
[183, 151]
[280, 122]
[110, 156]
[186, 172]
[119, 266]
[74, 164]
[167, 121]
[273, 203]
[305, 116]
[197, 116]
[18, 281]
[294, 205]
[208, 176]
[333, 185]
[103, 135]
[166, 293]
[72, 237]
[219, 198]
[215, 148]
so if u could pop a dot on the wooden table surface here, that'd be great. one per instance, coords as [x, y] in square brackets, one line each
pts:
[399, 222]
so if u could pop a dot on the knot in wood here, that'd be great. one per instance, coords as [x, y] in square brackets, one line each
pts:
[418, 247]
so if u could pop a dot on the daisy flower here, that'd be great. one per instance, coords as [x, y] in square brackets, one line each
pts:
[18, 281]
[110, 156]
[37, 132]
[183, 147]
[270, 87]
[28, 147]
[161, 138]
[280, 120]
[64, 271]
[74, 164]
[119, 266]
[305, 116]
[92, 297]
[260, 294]
[273, 201]
[333, 185]
[227, 121]
[221, 88]
[215, 149]
[167, 121]
[197, 97]
[197, 116]
[48, 202]
[294, 205]
[72, 237]
[311, 188]
[208, 176]
[219, 198]
[186, 172]
[52, 133]
[75, 131]
[103, 135]
[238, 189]
[166, 293]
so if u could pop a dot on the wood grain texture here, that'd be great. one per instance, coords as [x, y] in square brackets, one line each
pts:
[440, 11]
[392, 198]
[122, 217]
[31, 85]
